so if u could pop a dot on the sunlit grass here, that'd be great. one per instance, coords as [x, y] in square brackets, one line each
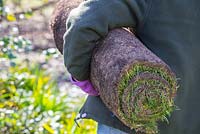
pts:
[32, 102]
[30, 99]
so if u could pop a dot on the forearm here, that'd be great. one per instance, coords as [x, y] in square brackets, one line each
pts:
[90, 22]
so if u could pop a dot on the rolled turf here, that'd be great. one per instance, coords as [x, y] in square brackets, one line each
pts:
[58, 20]
[133, 82]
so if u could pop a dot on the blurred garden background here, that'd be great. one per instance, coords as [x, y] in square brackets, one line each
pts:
[36, 96]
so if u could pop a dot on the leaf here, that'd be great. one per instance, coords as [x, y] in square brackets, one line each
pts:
[48, 128]
[11, 17]
[28, 14]
[11, 55]
[164, 118]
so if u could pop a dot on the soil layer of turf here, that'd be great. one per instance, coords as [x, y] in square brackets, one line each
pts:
[135, 84]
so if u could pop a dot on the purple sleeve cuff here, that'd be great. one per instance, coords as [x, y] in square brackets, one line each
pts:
[85, 85]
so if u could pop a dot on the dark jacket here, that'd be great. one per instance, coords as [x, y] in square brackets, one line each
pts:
[169, 28]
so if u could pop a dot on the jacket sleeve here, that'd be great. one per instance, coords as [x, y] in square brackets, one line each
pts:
[91, 21]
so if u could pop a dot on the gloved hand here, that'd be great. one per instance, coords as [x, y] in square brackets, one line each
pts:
[85, 85]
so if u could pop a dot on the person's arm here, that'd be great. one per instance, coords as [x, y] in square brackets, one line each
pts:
[90, 22]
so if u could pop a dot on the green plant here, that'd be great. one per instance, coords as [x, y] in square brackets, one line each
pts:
[10, 46]
[31, 102]
[22, 9]
[50, 53]
[30, 99]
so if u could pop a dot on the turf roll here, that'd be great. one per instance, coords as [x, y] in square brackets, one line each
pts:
[58, 20]
[134, 83]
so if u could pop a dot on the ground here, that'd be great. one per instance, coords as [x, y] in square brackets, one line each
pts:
[37, 30]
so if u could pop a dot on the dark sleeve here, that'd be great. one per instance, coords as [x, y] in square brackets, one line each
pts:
[92, 20]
